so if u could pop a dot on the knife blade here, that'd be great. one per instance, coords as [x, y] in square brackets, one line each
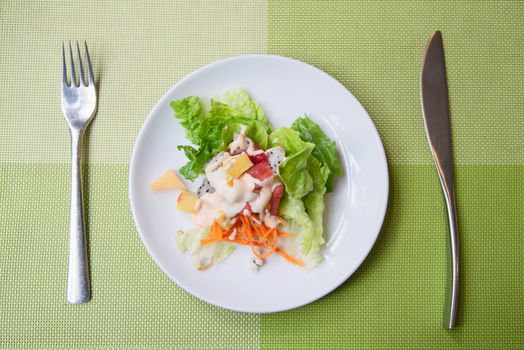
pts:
[435, 108]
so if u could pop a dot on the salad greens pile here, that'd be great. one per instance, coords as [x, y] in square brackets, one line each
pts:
[307, 172]
[213, 130]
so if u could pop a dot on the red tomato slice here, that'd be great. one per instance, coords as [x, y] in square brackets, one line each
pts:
[259, 158]
[260, 171]
[247, 207]
[276, 197]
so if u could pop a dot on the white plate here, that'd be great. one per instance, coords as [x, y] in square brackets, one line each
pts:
[286, 89]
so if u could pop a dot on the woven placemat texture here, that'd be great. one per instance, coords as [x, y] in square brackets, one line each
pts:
[375, 49]
[395, 300]
[140, 49]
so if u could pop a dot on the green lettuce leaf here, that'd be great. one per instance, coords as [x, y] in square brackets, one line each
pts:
[189, 111]
[296, 179]
[314, 201]
[292, 170]
[255, 130]
[305, 217]
[203, 256]
[211, 132]
[299, 222]
[197, 161]
[223, 253]
[325, 149]
[319, 172]
[240, 100]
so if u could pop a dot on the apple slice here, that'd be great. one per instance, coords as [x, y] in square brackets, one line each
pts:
[239, 165]
[187, 202]
[168, 181]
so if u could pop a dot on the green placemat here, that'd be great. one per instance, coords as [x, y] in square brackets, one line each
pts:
[139, 50]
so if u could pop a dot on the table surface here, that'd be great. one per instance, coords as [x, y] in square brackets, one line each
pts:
[140, 49]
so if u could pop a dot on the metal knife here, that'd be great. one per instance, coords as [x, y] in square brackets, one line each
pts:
[435, 107]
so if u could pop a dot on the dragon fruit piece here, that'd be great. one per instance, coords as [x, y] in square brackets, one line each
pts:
[275, 156]
[216, 161]
[205, 188]
[238, 145]
[252, 144]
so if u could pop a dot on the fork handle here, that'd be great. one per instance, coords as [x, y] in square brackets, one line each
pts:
[78, 271]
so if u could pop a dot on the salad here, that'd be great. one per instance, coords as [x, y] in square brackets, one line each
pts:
[259, 188]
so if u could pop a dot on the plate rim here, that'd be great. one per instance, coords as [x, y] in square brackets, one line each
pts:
[140, 139]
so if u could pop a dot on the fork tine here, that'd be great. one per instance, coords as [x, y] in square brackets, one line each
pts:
[89, 67]
[80, 64]
[64, 67]
[73, 73]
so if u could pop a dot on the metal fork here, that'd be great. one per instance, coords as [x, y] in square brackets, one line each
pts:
[79, 103]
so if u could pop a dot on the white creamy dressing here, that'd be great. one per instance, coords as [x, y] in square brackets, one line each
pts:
[269, 220]
[240, 191]
[250, 150]
[229, 199]
[242, 143]
[239, 144]
[217, 161]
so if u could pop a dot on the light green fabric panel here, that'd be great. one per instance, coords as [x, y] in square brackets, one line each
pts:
[139, 50]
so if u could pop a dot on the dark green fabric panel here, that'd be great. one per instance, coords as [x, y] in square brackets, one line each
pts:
[395, 300]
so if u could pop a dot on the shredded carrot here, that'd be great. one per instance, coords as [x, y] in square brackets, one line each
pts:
[289, 257]
[247, 228]
[266, 233]
[271, 247]
[243, 242]
[251, 232]
[217, 231]
[264, 255]
[207, 240]
[215, 234]
[259, 229]
[285, 234]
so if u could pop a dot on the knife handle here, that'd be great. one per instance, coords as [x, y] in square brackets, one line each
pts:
[445, 171]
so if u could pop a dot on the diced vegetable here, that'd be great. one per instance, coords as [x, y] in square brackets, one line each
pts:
[275, 157]
[205, 188]
[259, 158]
[239, 165]
[168, 181]
[276, 196]
[260, 171]
[248, 208]
[186, 202]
